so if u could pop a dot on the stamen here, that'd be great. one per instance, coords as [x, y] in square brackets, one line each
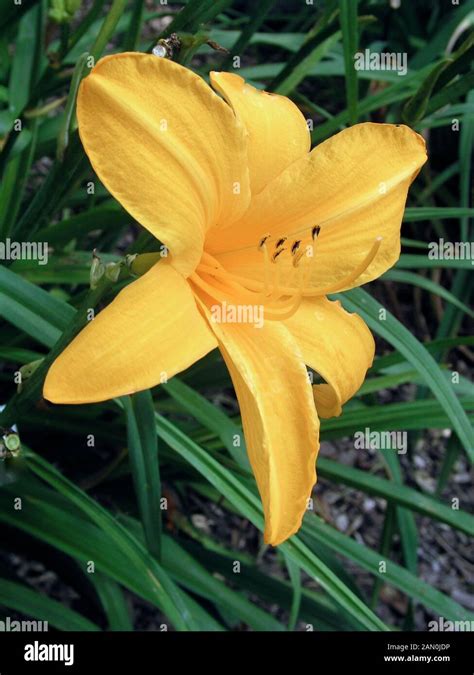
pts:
[279, 301]
[277, 253]
[355, 274]
[263, 240]
[280, 242]
[266, 270]
[297, 257]
[315, 232]
[295, 246]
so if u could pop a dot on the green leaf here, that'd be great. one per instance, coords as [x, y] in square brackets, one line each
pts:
[27, 601]
[400, 337]
[49, 517]
[461, 61]
[315, 529]
[386, 539]
[415, 108]
[396, 416]
[414, 214]
[14, 182]
[104, 217]
[189, 573]
[451, 93]
[193, 15]
[113, 602]
[295, 578]
[249, 505]
[412, 261]
[256, 18]
[427, 285]
[212, 418]
[350, 39]
[164, 590]
[132, 37]
[108, 27]
[397, 493]
[69, 111]
[26, 60]
[31, 309]
[143, 453]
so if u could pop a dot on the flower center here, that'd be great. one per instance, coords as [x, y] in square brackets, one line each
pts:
[283, 286]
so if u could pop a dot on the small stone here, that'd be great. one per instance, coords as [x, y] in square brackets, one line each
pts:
[159, 50]
[420, 462]
[342, 522]
[369, 505]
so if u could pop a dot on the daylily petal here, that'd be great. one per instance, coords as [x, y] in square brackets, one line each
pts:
[278, 416]
[151, 331]
[167, 147]
[354, 186]
[337, 345]
[278, 133]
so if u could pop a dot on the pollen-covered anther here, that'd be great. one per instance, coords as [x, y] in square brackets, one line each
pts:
[263, 241]
[295, 246]
[278, 252]
[315, 232]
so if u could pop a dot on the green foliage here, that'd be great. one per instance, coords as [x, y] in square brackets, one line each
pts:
[174, 443]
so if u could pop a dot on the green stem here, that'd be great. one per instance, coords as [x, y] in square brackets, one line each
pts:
[132, 36]
[108, 27]
[64, 131]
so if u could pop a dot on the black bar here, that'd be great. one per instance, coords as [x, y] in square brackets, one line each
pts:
[303, 652]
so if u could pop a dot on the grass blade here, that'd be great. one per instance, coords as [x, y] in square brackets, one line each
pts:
[143, 453]
[113, 602]
[249, 505]
[27, 601]
[350, 39]
[394, 332]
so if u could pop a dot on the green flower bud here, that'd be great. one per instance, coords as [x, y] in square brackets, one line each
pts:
[112, 271]
[97, 271]
[62, 11]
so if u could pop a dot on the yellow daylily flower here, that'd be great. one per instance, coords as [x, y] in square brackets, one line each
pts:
[252, 219]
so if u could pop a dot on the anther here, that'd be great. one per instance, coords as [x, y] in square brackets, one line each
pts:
[262, 241]
[297, 257]
[280, 242]
[277, 253]
[315, 232]
[295, 246]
